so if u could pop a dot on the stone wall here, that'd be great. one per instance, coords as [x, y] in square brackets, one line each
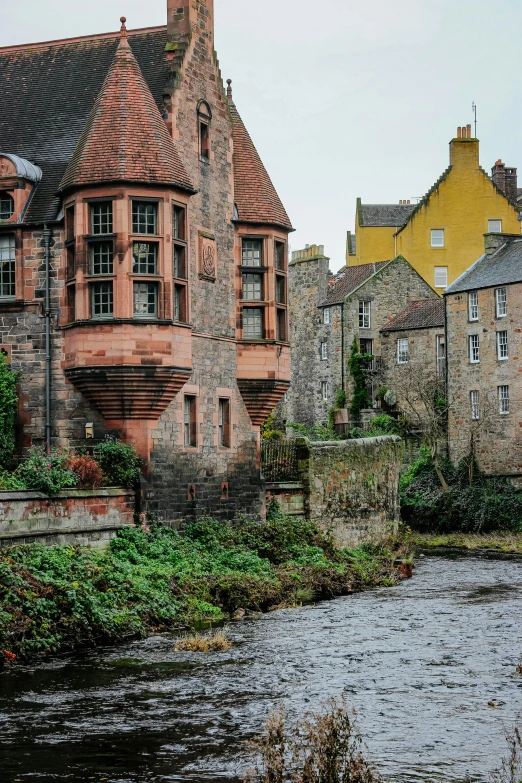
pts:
[497, 438]
[76, 516]
[388, 291]
[352, 487]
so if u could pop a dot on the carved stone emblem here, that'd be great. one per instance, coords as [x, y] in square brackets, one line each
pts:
[207, 256]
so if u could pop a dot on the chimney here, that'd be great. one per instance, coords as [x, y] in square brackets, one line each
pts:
[185, 17]
[506, 180]
[464, 150]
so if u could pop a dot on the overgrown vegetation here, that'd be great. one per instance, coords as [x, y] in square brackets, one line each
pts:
[204, 642]
[316, 433]
[511, 769]
[380, 425]
[8, 409]
[358, 364]
[115, 465]
[486, 504]
[62, 597]
[321, 748]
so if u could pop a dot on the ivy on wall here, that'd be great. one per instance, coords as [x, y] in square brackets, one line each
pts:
[358, 363]
[8, 410]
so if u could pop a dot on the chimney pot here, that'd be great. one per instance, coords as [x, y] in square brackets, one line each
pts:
[459, 133]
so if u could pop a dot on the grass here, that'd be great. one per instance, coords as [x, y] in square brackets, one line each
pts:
[60, 598]
[501, 541]
[212, 641]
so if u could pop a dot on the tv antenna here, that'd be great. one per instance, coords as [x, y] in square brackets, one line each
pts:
[474, 110]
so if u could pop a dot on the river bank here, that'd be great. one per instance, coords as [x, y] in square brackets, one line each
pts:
[429, 665]
[500, 541]
[54, 599]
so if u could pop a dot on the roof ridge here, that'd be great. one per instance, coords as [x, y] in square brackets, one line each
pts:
[78, 39]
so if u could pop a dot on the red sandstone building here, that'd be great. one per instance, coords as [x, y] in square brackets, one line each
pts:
[139, 227]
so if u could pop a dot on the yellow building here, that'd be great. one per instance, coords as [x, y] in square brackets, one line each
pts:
[443, 234]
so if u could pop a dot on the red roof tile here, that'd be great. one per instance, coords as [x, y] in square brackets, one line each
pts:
[125, 137]
[255, 196]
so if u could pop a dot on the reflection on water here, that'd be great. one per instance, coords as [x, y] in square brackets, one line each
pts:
[420, 663]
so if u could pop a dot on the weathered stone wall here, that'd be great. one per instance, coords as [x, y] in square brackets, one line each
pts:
[289, 495]
[352, 487]
[74, 516]
[389, 291]
[497, 438]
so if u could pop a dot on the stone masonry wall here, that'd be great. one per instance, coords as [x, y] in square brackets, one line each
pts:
[73, 517]
[352, 487]
[498, 438]
[388, 292]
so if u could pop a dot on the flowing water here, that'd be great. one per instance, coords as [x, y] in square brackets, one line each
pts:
[430, 667]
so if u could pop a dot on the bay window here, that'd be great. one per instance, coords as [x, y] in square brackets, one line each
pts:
[145, 300]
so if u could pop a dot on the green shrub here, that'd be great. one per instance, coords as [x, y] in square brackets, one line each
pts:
[269, 429]
[490, 503]
[10, 481]
[120, 463]
[62, 597]
[315, 433]
[384, 425]
[8, 410]
[46, 472]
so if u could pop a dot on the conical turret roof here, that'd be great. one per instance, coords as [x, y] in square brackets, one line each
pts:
[125, 137]
[255, 196]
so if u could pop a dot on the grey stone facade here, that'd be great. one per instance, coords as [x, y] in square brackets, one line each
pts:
[493, 431]
[386, 288]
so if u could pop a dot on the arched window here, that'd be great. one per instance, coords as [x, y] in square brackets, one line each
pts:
[6, 205]
[204, 120]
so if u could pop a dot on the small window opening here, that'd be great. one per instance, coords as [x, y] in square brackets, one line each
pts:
[190, 433]
[224, 423]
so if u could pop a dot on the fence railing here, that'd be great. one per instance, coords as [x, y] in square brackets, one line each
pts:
[279, 461]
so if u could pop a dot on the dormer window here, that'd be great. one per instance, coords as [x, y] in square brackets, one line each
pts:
[204, 119]
[6, 206]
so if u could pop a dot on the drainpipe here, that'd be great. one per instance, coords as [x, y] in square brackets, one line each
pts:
[47, 234]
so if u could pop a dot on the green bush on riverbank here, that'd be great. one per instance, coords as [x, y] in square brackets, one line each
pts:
[480, 505]
[57, 598]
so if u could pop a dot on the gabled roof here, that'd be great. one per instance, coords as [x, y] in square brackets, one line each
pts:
[125, 137]
[383, 215]
[502, 267]
[423, 314]
[47, 94]
[349, 280]
[255, 196]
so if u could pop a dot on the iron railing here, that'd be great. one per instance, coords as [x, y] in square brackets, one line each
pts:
[279, 461]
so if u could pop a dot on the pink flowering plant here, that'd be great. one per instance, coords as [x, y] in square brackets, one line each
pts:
[46, 472]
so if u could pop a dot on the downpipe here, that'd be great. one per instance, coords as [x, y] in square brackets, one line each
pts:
[47, 235]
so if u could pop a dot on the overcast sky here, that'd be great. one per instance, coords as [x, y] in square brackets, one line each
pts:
[343, 98]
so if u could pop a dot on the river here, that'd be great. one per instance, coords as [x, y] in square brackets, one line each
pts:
[420, 663]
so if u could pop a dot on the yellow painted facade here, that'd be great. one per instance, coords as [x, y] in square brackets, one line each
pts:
[460, 205]
[372, 243]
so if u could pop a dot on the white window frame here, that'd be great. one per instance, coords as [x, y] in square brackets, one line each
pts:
[326, 315]
[503, 400]
[324, 390]
[475, 405]
[440, 355]
[495, 230]
[474, 348]
[437, 237]
[437, 270]
[365, 314]
[501, 302]
[502, 346]
[324, 351]
[473, 311]
[401, 353]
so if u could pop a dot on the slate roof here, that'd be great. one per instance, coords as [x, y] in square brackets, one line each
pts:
[47, 94]
[502, 267]
[349, 280]
[125, 138]
[384, 215]
[255, 196]
[423, 314]
[351, 244]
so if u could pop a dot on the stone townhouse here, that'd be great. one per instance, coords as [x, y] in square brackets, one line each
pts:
[442, 235]
[484, 334]
[327, 312]
[143, 253]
